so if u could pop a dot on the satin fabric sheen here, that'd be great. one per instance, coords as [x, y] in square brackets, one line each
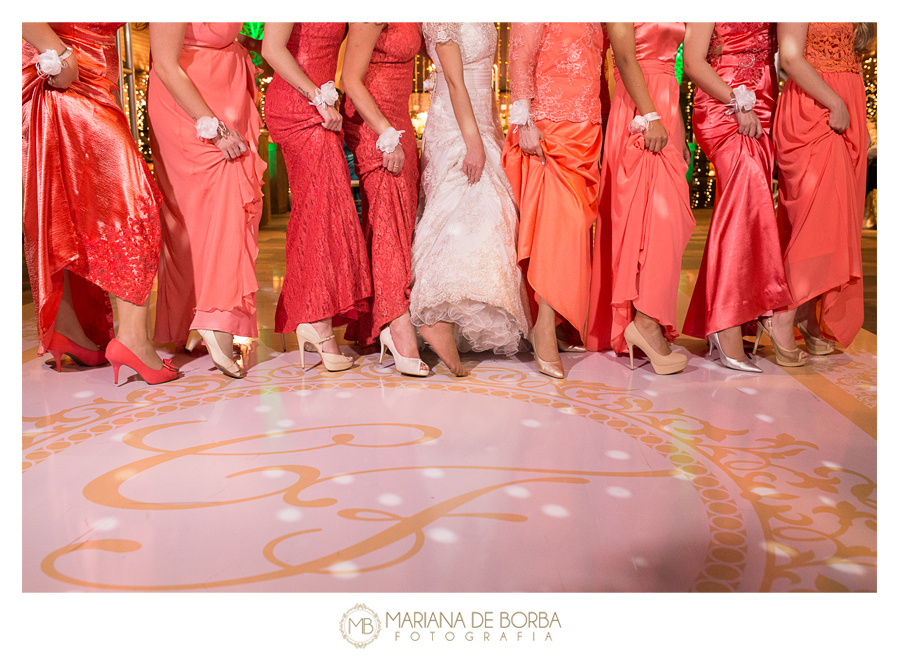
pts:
[821, 182]
[557, 207]
[389, 201]
[90, 205]
[327, 264]
[645, 218]
[212, 208]
[742, 274]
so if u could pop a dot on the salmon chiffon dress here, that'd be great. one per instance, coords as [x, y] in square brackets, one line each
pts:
[207, 274]
[742, 274]
[821, 185]
[645, 218]
[90, 204]
[560, 67]
[389, 201]
[327, 272]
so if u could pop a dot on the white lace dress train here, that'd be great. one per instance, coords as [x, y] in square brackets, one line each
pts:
[464, 265]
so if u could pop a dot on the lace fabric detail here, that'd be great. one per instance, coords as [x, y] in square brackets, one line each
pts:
[440, 32]
[464, 251]
[829, 48]
[749, 47]
[560, 67]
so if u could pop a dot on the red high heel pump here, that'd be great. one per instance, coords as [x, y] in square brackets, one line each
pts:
[60, 345]
[120, 355]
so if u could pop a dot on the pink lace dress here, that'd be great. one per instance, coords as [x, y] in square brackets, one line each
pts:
[327, 273]
[388, 201]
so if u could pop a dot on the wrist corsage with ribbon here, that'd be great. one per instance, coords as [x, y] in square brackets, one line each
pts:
[519, 115]
[640, 123]
[50, 62]
[326, 94]
[388, 140]
[210, 128]
[744, 99]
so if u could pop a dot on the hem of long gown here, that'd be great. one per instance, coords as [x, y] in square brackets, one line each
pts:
[735, 314]
[339, 318]
[481, 327]
[836, 290]
[235, 322]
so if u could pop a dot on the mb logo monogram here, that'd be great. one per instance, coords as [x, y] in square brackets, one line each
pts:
[360, 626]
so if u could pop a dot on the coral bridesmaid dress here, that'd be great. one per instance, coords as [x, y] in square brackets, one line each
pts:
[90, 204]
[821, 185]
[560, 67]
[388, 201]
[742, 273]
[327, 264]
[645, 218]
[207, 274]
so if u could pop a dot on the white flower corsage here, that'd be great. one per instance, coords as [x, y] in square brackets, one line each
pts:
[388, 140]
[519, 115]
[326, 94]
[640, 123]
[744, 99]
[50, 62]
[429, 83]
[209, 128]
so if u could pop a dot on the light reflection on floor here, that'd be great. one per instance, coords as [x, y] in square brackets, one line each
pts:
[610, 480]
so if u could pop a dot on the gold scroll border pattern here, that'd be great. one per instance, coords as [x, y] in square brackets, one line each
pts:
[726, 556]
[854, 377]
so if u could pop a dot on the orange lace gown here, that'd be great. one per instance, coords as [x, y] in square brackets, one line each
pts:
[821, 183]
[645, 218]
[389, 201]
[560, 67]
[90, 205]
[207, 274]
[742, 274]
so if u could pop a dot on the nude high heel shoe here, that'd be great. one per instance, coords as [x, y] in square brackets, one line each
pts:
[222, 361]
[407, 365]
[306, 333]
[193, 340]
[816, 346]
[744, 365]
[785, 358]
[550, 368]
[662, 365]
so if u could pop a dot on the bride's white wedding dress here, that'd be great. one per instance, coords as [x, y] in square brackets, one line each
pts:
[464, 266]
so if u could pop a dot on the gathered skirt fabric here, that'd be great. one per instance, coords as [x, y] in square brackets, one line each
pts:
[212, 207]
[464, 266]
[742, 273]
[327, 273]
[90, 205]
[557, 207]
[645, 220]
[821, 198]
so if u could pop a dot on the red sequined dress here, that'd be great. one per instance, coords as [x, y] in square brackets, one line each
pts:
[327, 265]
[389, 201]
[90, 204]
[821, 185]
[742, 274]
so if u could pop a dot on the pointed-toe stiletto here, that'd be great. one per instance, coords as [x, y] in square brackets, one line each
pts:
[224, 362]
[550, 368]
[306, 333]
[816, 346]
[407, 365]
[60, 345]
[785, 358]
[566, 346]
[662, 364]
[744, 365]
[119, 356]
